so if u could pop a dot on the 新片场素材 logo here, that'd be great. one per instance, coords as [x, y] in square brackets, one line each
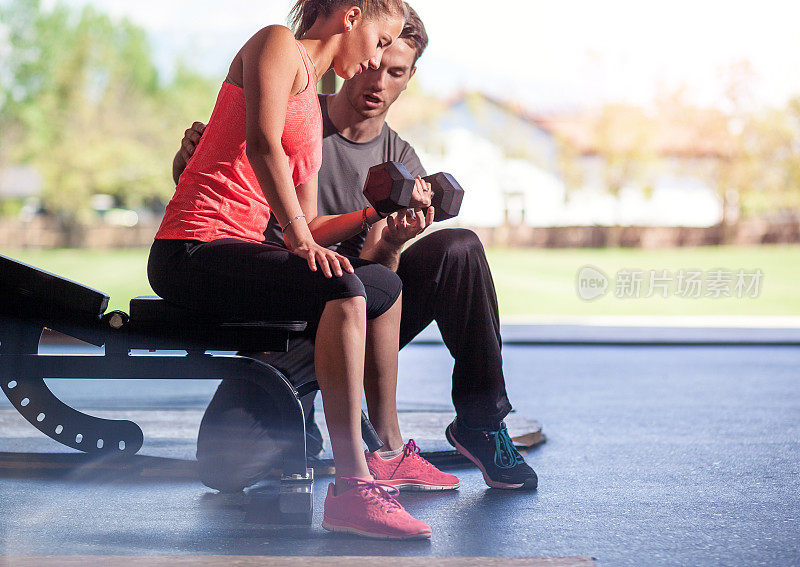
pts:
[591, 283]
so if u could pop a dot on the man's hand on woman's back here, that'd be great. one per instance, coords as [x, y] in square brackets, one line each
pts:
[188, 145]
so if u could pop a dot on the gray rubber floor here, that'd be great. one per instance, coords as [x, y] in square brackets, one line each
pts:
[656, 455]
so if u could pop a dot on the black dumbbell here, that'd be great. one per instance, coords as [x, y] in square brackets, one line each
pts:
[447, 195]
[389, 186]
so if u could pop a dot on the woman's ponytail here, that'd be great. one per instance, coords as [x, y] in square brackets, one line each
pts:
[305, 12]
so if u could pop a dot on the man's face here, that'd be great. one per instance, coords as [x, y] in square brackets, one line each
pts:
[372, 92]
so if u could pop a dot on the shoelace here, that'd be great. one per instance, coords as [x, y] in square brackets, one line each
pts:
[506, 455]
[412, 450]
[377, 492]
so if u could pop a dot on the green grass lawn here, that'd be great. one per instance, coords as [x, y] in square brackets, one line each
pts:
[543, 281]
[529, 281]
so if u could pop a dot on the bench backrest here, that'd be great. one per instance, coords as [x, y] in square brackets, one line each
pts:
[27, 290]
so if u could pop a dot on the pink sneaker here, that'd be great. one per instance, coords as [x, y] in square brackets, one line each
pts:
[410, 471]
[368, 509]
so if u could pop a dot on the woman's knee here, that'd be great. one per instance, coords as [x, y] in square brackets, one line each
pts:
[354, 307]
[383, 287]
[346, 286]
[393, 286]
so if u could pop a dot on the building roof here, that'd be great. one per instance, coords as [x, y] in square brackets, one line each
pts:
[672, 132]
[20, 181]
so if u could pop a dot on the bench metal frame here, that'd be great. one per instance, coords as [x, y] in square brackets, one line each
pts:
[27, 309]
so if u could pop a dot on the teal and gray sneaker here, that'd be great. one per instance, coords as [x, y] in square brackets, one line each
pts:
[494, 453]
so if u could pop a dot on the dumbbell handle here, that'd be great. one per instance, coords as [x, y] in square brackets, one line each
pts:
[369, 434]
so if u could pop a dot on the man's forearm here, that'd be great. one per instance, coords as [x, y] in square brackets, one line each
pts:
[384, 252]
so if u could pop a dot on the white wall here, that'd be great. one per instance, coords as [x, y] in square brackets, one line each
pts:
[486, 175]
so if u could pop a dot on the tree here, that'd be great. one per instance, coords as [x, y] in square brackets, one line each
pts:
[763, 167]
[82, 101]
[613, 147]
[625, 139]
[767, 171]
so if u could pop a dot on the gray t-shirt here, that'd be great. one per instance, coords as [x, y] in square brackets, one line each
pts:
[344, 170]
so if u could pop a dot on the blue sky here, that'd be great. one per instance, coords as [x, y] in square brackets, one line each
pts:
[544, 54]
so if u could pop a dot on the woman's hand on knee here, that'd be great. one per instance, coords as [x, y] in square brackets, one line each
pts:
[318, 257]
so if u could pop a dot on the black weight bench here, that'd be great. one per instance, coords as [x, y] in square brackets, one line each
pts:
[32, 300]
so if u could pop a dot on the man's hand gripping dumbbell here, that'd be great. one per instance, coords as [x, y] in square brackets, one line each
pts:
[391, 188]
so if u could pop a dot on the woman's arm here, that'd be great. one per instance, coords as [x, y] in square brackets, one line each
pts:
[332, 229]
[271, 67]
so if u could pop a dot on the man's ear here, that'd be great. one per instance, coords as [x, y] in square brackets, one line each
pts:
[410, 76]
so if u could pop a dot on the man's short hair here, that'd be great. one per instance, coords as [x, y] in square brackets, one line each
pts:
[414, 32]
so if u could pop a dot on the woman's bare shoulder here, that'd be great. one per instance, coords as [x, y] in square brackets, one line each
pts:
[272, 51]
[273, 37]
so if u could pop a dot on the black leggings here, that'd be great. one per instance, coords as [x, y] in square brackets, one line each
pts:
[236, 279]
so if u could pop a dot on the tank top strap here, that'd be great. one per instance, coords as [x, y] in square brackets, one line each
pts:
[306, 61]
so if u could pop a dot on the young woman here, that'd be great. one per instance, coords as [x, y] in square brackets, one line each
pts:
[259, 156]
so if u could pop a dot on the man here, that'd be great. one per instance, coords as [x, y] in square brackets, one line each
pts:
[446, 278]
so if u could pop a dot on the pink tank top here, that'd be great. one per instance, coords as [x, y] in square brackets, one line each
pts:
[218, 195]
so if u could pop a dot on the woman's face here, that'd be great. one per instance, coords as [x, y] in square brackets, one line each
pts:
[362, 46]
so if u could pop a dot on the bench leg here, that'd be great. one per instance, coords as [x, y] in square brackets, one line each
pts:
[280, 388]
[34, 400]
[296, 498]
[28, 393]
[296, 495]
